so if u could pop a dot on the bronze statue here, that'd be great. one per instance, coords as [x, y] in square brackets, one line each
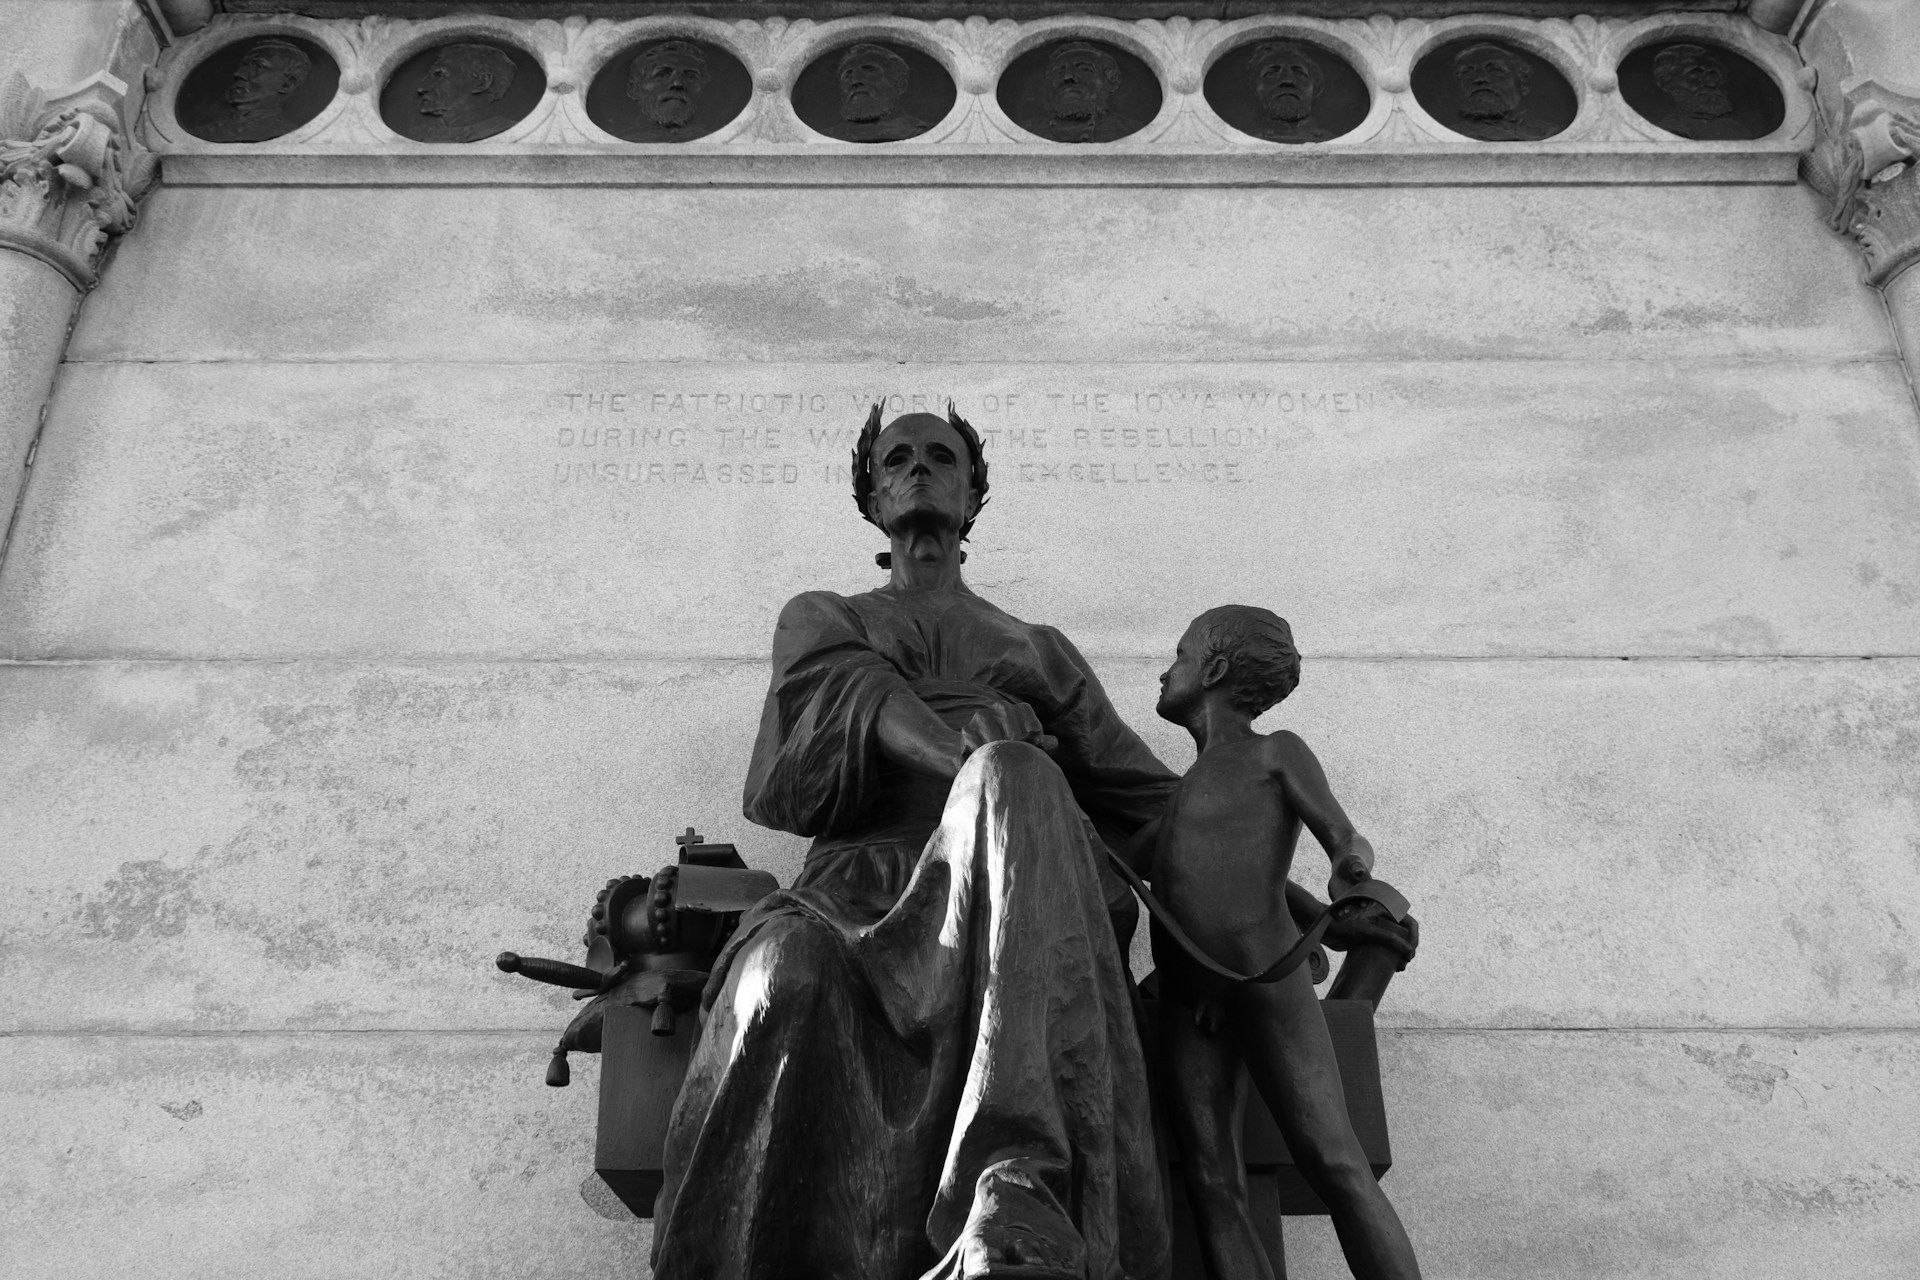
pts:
[1286, 80]
[665, 83]
[1493, 83]
[922, 1060]
[267, 75]
[1220, 857]
[1078, 86]
[462, 92]
[873, 83]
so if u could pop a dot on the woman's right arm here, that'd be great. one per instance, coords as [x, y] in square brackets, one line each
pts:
[910, 734]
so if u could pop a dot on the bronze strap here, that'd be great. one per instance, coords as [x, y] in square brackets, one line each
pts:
[1355, 895]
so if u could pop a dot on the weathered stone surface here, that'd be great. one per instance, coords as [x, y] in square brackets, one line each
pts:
[982, 274]
[209, 1158]
[60, 42]
[303, 846]
[375, 510]
[1682, 1155]
[1862, 38]
[1677, 1156]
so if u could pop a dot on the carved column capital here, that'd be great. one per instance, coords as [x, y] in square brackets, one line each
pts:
[1867, 165]
[71, 172]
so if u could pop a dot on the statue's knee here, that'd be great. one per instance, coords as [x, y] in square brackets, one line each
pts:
[1211, 1185]
[1339, 1170]
[999, 761]
[791, 960]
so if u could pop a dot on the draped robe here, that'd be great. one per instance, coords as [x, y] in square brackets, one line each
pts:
[927, 1044]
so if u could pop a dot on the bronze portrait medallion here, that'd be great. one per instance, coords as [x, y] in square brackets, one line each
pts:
[1701, 91]
[255, 90]
[873, 91]
[1493, 90]
[669, 90]
[1079, 91]
[465, 90]
[1286, 90]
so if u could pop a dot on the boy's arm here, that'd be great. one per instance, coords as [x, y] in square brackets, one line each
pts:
[1299, 774]
[1138, 851]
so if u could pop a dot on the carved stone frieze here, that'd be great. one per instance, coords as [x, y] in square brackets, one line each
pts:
[71, 173]
[1867, 165]
[1186, 140]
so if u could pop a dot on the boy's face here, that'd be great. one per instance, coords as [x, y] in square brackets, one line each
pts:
[1181, 684]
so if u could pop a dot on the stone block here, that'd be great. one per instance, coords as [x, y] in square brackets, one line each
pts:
[301, 1156]
[242, 845]
[889, 274]
[1678, 1155]
[227, 846]
[559, 511]
[58, 43]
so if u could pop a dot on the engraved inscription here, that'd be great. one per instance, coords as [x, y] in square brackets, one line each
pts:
[1143, 435]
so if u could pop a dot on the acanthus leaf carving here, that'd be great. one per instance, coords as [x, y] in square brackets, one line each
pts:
[73, 176]
[1867, 165]
[978, 128]
[363, 37]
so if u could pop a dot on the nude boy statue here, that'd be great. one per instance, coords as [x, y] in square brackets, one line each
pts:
[1219, 864]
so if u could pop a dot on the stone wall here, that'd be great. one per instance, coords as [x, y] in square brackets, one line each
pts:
[367, 610]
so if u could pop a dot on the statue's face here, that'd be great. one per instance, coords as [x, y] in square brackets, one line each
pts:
[441, 92]
[665, 83]
[1285, 85]
[921, 475]
[455, 86]
[264, 79]
[870, 85]
[1696, 82]
[1077, 86]
[1182, 683]
[1489, 82]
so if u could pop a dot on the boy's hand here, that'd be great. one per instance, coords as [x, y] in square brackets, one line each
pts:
[1349, 869]
[1372, 926]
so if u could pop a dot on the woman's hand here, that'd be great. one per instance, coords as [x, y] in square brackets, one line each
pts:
[1004, 722]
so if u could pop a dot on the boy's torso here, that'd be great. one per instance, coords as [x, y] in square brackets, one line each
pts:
[1221, 861]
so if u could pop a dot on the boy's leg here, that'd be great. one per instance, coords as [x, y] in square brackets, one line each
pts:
[1281, 1032]
[1201, 1082]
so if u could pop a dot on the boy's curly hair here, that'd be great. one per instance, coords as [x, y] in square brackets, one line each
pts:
[1263, 666]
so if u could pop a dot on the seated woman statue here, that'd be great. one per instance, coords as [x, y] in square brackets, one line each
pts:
[921, 1060]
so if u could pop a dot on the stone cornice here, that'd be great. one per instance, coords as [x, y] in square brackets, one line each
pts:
[71, 173]
[1867, 165]
[1186, 144]
[820, 10]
